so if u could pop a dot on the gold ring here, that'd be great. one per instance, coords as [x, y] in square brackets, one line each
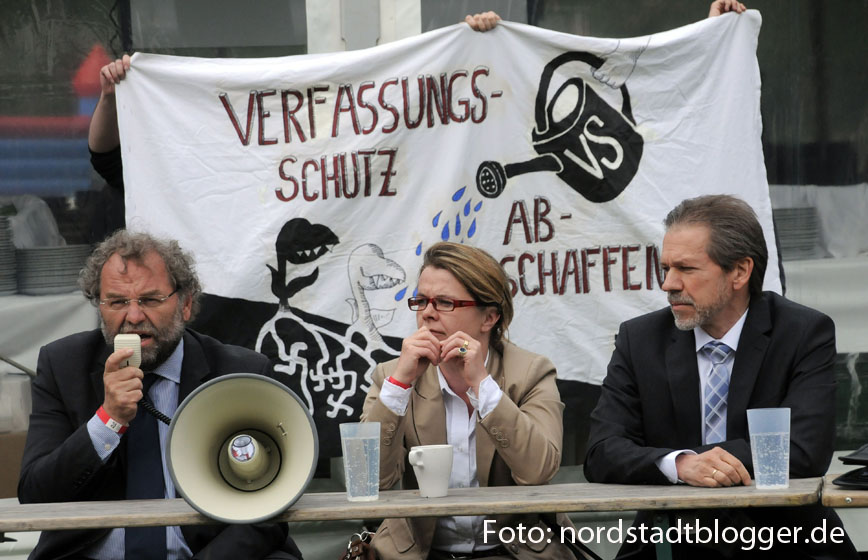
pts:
[462, 350]
[466, 344]
[714, 472]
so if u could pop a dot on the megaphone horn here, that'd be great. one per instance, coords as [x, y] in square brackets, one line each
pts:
[242, 448]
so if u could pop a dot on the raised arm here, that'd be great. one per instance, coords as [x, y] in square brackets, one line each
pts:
[103, 136]
[486, 21]
[719, 7]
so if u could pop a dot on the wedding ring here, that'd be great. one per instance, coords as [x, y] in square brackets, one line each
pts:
[466, 344]
[714, 472]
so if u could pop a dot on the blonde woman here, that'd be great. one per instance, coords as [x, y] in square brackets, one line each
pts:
[459, 381]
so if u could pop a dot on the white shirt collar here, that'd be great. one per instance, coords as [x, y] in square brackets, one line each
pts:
[171, 368]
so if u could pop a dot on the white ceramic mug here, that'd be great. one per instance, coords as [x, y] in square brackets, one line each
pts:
[433, 466]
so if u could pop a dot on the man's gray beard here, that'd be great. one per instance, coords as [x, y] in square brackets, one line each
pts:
[701, 315]
[165, 340]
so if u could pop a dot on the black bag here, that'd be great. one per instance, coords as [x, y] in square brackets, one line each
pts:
[856, 479]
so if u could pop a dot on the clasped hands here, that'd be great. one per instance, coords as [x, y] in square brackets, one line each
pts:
[422, 349]
[713, 468]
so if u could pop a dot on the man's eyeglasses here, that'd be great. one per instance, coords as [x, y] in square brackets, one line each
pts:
[149, 302]
[419, 303]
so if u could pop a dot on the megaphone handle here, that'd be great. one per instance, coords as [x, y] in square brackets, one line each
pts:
[546, 162]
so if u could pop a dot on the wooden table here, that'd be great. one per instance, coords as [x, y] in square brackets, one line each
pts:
[836, 496]
[576, 497]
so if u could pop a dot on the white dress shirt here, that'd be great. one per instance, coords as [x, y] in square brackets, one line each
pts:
[455, 533]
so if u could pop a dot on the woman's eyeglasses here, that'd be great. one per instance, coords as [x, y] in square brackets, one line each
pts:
[418, 303]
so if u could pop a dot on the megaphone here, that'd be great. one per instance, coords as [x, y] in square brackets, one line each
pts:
[242, 448]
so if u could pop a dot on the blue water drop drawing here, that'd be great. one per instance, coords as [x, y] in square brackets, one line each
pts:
[472, 229]
[444, 235]
[416, 291]
[458, 194]
[418, 249]
[400, 295]
[457, 224]
[467, 208]
[436, 219]
[478, 206]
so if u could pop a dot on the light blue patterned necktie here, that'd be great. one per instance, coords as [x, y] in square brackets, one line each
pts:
[716, 392]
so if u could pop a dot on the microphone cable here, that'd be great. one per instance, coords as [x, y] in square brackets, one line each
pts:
[152, 410]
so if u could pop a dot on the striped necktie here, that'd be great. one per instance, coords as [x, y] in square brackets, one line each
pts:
[716, 391]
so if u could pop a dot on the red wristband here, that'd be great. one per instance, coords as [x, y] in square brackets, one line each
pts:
[112, 424]
[398, 383]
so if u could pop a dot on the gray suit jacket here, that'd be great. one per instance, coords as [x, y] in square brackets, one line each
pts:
[519, 442]
[60, 464]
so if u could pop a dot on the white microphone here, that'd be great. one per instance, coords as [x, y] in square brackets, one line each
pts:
[133, 341]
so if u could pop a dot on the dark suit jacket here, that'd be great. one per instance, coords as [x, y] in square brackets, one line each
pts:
[650, 399]
[61, 465]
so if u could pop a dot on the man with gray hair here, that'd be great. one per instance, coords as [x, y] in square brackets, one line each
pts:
[85, 398]
[673, 405]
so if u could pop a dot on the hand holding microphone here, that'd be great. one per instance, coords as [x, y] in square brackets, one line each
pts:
[122, 378]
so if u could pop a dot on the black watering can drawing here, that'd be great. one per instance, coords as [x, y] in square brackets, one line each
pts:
[594, 148]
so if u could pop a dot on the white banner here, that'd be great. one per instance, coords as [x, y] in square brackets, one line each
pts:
[309, 186]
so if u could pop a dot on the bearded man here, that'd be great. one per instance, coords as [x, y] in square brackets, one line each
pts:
[673, 404]
[89, 439]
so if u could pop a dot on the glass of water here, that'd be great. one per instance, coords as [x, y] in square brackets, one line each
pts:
[770, 446]
[360, 442]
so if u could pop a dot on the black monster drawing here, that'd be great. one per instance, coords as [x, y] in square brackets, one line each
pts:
[299, 242]
[328, 362]
[592, 147]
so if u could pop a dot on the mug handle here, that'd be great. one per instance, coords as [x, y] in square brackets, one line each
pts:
[415, 457]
